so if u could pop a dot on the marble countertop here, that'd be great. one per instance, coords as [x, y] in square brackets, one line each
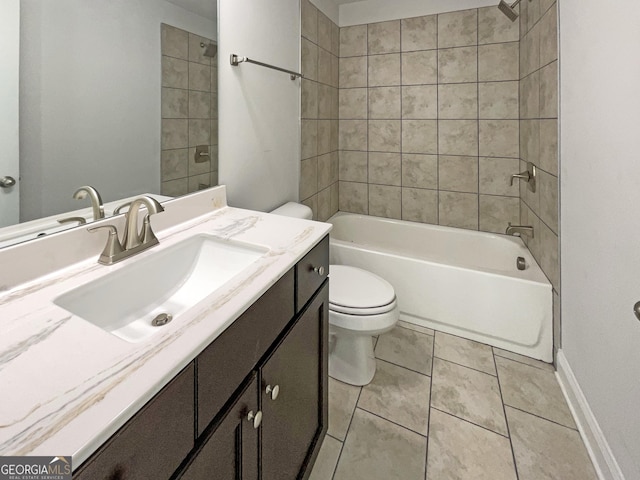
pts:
[67, 385]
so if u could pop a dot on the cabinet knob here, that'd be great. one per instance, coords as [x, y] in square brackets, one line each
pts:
[319, 270]
[273, 391]
[256, 418]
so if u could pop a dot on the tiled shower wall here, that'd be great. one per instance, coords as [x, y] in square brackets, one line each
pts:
[429, 119]
[539, 136]
[189, 112]
[319, 110]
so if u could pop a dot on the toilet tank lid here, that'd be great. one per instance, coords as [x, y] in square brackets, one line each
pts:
[293, 209]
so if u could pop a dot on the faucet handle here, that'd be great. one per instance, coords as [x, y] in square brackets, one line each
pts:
[148, 237]
[113, 246]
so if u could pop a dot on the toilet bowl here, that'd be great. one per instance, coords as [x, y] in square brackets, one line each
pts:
[361, 305]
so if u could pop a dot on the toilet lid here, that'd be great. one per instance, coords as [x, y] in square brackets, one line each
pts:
[353, 287]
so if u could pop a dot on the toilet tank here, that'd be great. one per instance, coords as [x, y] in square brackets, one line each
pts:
[293, 209]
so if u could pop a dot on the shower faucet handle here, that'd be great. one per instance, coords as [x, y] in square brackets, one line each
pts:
[529, 176]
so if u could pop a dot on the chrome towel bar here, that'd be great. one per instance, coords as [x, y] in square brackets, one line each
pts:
[237, 60]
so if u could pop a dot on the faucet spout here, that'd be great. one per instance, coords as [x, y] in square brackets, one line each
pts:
[132, 236]
[96, 200]
[519, 230]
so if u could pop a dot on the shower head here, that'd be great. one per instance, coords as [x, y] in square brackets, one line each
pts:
[509, 10]
[210, 50]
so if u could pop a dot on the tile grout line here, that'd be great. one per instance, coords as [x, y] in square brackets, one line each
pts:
[542, 418]
[404, 427]
[346, 435]
[469, 422]
[504, 412]
[466, 366]
[433, 351]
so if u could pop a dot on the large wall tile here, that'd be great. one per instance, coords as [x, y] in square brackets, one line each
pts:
[175, 73]
[324, 31]
[308, 177]
[384, 103]
[324, 204]
[353, 41]
[549, 146]
[530, 96]
[175, 103]
[420, 136]
[458, 137]
[458, 210]
[353, 103]
[309, 20]
[174, 42]
[499, 100]
[420, 171]
[498, 62]
[495, 27]
[497, 212]
[354, 197]
[548, 185]
[385, 168]
[325, 99]
[324, 66]
[384, 70]
[419, 33]
[458, 29]
[530, 141]
[458, 101]
[420, 102]
[384, 37]
[495, 176]
[309, 138]
[385, 201]
[549, 91]
[324, 170]
[420, 68]
[500, 138]
[420, 205]
[309, 59]
[309, 99]
[384, 136]
[353, 166]
[174, 164]
[458, 65]
[353, 72]
[458, 174]
[175, 134]
[353, 135]
[549, 36]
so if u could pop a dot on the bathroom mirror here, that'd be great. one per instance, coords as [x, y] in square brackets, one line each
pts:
[116, 94]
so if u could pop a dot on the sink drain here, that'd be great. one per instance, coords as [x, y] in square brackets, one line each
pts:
[162, 319]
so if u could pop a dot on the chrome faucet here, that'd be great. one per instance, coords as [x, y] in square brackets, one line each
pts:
[133, 241]
[96, 200]
[529, 176]
[519, 229]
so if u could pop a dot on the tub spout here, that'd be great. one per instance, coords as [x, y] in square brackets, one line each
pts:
[519, 230]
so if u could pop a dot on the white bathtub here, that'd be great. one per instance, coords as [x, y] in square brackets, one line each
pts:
[456, 281]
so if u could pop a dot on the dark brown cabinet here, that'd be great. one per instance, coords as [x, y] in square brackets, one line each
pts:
[252, 406]
[230, 450]
[292, 394]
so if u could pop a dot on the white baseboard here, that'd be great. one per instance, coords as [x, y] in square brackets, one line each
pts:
[603, 460]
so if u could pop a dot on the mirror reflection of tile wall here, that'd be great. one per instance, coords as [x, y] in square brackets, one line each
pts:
[189, 112]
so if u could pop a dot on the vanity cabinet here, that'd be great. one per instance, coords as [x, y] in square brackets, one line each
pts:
[253, 405]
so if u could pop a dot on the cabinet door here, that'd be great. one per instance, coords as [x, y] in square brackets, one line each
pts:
[296, 419]
[230, 451]
[154, 442]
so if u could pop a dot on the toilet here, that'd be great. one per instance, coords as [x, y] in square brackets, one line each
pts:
[361, 305]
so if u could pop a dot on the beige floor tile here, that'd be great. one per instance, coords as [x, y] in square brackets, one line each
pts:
[533, 390]
[465, 352]
[376, 449]
[459, 450]
[399, 395]
[416, 328]
[522, 359]
[468, 394]
[406, 348]
[342, 403]
[546, 450]
[327, 459]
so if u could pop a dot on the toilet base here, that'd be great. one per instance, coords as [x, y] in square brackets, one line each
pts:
[351, 357]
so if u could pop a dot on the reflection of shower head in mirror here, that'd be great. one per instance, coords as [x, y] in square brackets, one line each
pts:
[210, 50]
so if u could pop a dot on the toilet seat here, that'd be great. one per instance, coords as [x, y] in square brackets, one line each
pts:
[357, 291]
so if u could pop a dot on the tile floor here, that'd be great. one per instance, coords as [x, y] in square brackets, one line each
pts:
[442, 408]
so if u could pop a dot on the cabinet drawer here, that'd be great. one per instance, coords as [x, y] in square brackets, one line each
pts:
[154, 442]
[224, 364]
[311, 271]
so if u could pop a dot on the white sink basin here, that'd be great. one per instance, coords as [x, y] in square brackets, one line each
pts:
[126, 302]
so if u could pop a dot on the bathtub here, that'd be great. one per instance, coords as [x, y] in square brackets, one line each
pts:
[456, 281]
